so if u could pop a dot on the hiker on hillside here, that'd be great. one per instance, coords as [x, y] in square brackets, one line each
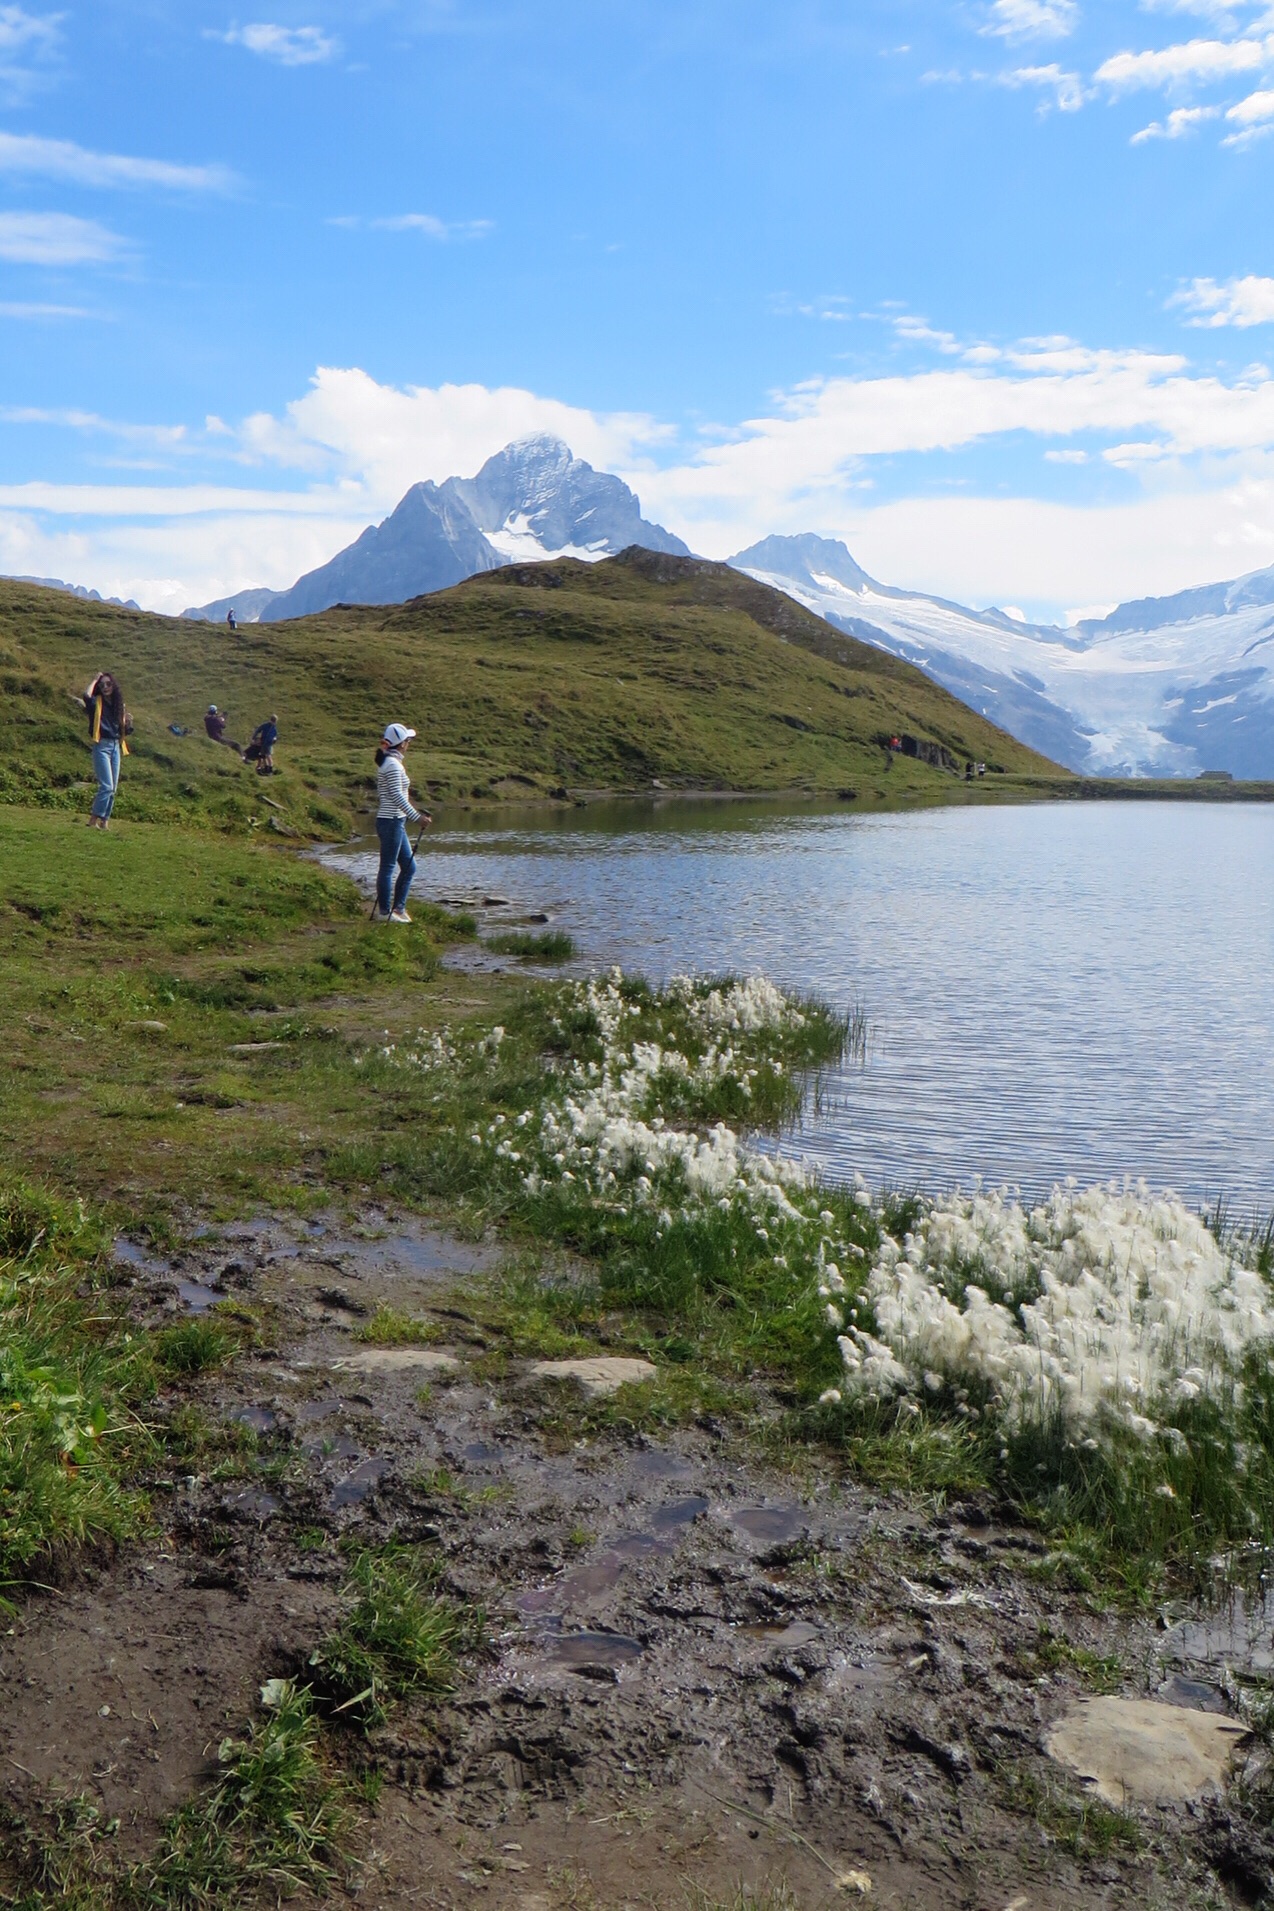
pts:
[261, 749]
[393, 813]
[214, 723]
[231, 620]
[108, 727]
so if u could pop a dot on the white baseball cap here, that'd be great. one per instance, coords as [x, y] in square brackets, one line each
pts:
[396, 734]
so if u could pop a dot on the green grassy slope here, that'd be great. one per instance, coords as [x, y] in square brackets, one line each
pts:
[605, 676]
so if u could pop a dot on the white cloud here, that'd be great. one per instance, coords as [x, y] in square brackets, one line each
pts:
[1241, 302]
[383, 438]
[56, 238]
[1253, 117]
[290, 46]
[917, 331]
[63, 159]
[27, 309]
[1182, 120]
[1068, 88]
[1202, 60]
[1197, 453]
[1032, 19]
[428, 225]
[154, 437]
[27, 41]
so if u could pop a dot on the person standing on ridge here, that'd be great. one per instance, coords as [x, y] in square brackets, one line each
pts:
[261, 749]
[393, 813]
[231, 620]
[108, 727]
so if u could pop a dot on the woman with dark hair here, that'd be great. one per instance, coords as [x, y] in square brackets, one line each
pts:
[107, 727]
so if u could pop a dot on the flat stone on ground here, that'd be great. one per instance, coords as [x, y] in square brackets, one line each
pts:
[600, 1374]
[398, 1360]
[1135, 1751]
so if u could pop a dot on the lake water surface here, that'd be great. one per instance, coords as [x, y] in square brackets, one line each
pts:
[1055, 989]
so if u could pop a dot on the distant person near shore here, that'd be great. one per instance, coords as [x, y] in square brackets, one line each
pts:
[214, 723]
[108, 727]
[261, 749]
[393, 813]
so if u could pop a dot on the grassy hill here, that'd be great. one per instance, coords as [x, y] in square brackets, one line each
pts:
[537, 678]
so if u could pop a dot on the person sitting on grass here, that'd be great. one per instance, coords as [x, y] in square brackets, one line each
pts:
[214, 723]
[108, 724]
[393, 813]
[261, 749]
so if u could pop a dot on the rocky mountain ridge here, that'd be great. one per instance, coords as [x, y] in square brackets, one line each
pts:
[531, 501]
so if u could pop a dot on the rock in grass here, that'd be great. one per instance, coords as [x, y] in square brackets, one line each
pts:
[1134, 1751]
[395, 1360]
[601, 1374]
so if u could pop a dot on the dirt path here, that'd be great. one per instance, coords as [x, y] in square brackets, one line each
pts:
[702, 1672]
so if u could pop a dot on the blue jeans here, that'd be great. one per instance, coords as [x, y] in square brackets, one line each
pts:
[394, 848]
[106, 770]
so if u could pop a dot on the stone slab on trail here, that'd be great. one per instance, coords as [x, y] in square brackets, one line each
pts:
[597, 1375]
[1137, 1751]
[397, 1360]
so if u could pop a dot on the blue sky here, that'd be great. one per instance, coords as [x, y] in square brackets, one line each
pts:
[984, 288]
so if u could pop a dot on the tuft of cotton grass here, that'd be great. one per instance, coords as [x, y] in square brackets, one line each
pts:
[1104, 1307]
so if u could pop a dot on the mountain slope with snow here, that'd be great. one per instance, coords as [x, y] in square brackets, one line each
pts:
[531, 501]
[1161, 687]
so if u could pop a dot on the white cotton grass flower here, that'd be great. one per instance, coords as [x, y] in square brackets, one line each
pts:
[1102, 1305]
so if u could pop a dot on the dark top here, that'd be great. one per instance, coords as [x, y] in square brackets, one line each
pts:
[267, 735]
[215, 726]
[107, 729]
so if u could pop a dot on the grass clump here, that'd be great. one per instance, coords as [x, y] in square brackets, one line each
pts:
[192, 1347]
[388, 1327]
[274, 1824]
[70, 1375]
[398, 1639]
[552, 945]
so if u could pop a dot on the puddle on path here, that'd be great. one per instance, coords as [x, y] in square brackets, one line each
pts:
[770, 1524]
[252, 1503]
[669, 1519]
[260, 1419]
[479, 1453]
[353, 1490]
[594, 1649]
[336, 1446]
[1192, 1692]
[134, 1254]
[197, 1299]
[656, 1464]
[540, 1608]
[1240, 1633]
[426, 1253]
[307, 1411]
[588, 1582]
[798, 1632]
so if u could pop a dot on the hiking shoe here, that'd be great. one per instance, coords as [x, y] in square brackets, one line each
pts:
[399, 915]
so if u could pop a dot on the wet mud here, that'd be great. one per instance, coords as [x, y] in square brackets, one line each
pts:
[700, 1670]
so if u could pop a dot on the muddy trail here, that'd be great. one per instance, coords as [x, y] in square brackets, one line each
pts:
[702, 1672]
